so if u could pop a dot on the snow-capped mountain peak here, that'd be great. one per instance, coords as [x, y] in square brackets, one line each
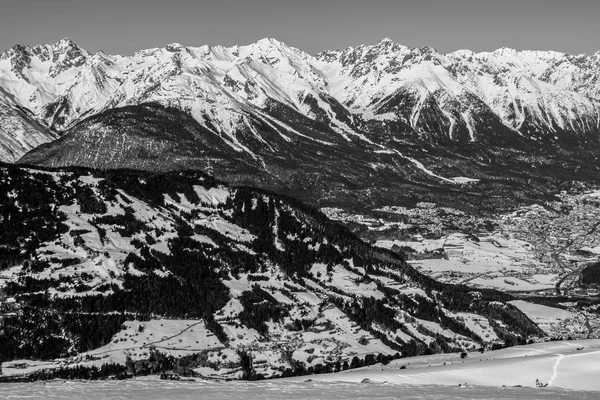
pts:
[459, 96]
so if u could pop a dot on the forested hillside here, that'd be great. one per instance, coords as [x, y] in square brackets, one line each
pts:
[252, 284]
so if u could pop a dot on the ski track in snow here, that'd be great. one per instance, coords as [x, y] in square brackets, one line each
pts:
[555, 369]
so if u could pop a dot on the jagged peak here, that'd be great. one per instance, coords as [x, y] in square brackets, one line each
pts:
[426, 50]
[14, 50]
[462, 53]
[510, 50]
[146, 52]
[65, 42]
[175, 47]
[19, 47]
[388, 44]
[524, 55]
[385, 42]
[270, 41]
[267, 47]
[504, 49]
[63, 45]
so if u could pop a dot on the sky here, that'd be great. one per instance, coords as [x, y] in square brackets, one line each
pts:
[126, 26]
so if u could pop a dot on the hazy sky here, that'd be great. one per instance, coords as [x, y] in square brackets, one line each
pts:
[125, 26]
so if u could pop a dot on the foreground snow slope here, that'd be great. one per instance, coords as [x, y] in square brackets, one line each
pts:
[560, 364]
[153, 388]
[571, 374]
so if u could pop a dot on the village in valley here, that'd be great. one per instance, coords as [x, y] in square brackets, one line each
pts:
[544, 255]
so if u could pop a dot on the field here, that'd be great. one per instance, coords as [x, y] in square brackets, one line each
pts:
[571, 365]
[570, 368]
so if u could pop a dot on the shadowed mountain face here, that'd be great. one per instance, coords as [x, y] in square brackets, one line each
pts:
[141, 137]
[152, 137]
[20, 132]
[353, 174]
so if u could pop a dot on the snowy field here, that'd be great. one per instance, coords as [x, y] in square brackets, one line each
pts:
[150, 388]
[570, 368]
[573, 365]
[490, 261]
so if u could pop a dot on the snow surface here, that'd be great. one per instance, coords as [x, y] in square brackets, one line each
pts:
[213, 196]
[151, 388]
[171, 336]
[545, 317]
[487, 260]
[559, 364]
[503, 374]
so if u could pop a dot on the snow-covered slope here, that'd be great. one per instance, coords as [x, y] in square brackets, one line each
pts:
[19, 133]
[532, 92]
[563, 364]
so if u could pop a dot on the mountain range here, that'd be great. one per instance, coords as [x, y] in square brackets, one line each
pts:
[458, 95]
[371, 123]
